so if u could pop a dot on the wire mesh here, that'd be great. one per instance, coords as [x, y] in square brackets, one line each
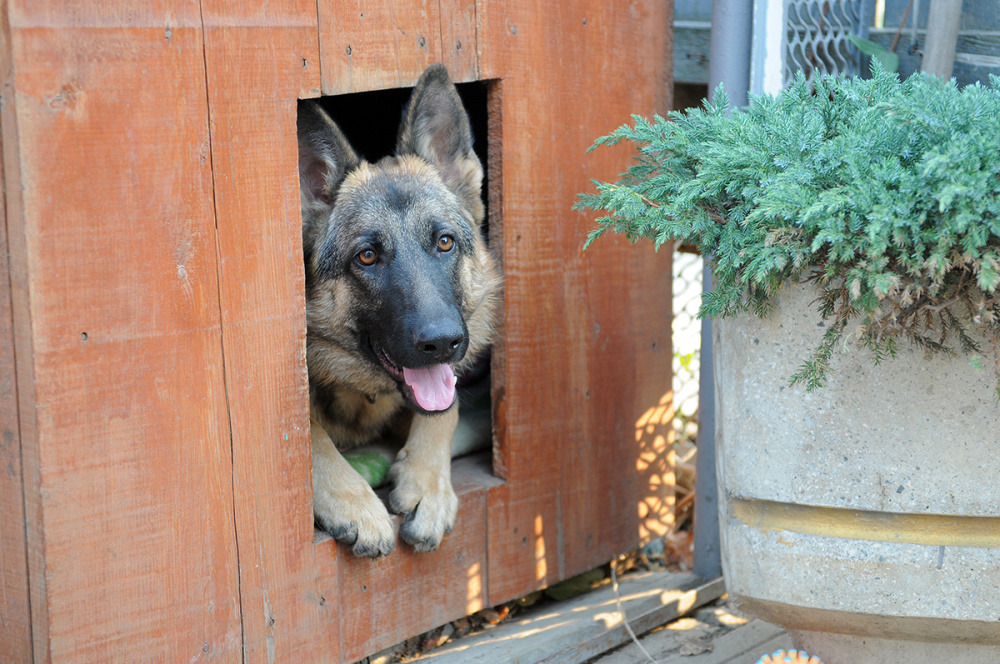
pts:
[687, 345]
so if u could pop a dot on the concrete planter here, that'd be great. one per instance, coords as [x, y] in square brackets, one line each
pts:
[865, 516]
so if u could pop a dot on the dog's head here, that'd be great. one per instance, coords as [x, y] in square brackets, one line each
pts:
[400, 286]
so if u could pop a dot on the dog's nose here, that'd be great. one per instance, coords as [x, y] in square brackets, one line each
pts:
[439, 343]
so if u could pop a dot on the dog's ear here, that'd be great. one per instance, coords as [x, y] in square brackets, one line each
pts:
[436, 127]
[325, 156]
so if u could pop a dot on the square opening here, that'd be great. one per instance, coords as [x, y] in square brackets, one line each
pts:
[369, 121]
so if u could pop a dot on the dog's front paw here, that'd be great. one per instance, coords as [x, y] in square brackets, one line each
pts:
[355, 516]
[424, 495]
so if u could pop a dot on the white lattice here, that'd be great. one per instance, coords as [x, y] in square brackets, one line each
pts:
[816, 33]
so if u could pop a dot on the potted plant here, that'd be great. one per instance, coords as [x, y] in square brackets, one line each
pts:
[853, 230]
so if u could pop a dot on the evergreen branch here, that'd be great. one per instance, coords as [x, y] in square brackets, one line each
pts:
[884, 193]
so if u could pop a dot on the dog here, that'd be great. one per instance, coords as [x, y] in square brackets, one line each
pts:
[401, 296]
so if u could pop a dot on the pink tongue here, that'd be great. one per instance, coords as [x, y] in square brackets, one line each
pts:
[433, 387]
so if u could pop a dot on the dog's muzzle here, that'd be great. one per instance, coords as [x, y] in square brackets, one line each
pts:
[431, 388]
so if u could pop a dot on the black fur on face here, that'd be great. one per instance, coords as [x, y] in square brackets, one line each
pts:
[399, 238]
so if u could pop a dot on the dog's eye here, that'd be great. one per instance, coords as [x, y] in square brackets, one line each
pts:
[446, 243]
[366, 257]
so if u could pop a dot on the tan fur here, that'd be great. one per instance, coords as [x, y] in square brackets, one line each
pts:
[422, 476]
[345, 496]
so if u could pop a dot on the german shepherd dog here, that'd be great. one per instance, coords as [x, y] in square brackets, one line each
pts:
[401, 295]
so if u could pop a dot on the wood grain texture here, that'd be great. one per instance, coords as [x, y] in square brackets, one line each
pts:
[15, 607]
[38, 645]
[371, 46]
[579, 629]
[587, 347]
[261, 57]
[156, 323]
[123, 420]
[459, 43]
[387, 601]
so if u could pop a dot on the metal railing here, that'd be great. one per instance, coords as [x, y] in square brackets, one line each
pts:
[817, 38]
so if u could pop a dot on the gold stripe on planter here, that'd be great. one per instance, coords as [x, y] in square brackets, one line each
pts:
[932, 529]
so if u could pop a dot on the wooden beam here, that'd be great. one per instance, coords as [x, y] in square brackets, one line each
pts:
[587, 334]
[123, 423]
[15, 606]
[579, 629]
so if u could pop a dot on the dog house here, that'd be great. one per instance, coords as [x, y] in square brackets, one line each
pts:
[154, 461]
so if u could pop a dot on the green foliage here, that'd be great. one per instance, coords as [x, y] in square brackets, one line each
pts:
[885, 193]
[888, 59]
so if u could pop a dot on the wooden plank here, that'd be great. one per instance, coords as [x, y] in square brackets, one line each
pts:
[579, 629]
[389, 600]
[587, 348]
[22, 344]
[671, 606]
[15, 607]
[371, 46]
[459, 46]
[122, 403]
[744, 645]
[261, 57]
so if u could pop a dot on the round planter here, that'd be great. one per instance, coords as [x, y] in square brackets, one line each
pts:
[864, 517]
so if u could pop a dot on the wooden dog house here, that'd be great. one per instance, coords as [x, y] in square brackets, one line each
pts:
[154, 459]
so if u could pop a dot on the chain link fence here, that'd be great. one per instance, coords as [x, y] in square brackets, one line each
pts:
[687, 346]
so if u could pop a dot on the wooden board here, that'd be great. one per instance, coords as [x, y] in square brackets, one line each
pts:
[155, 323]
[587, 335]
[124, 429]
[691, 49]
[579, 629]
[372, 46]
[382, 602]
[261, 57]
[15, 609]
[744, 645]
[459, 43]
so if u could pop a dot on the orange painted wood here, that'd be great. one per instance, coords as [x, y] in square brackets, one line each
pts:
[376, 45]
[459, 44]
[124, 430]
[372, 46]
[385, 602]
[587, 347]
[262, 57]
[15, 608]
[37, 645]
[152, 205]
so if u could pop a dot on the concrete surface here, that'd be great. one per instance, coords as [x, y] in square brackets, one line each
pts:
[890, 444]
